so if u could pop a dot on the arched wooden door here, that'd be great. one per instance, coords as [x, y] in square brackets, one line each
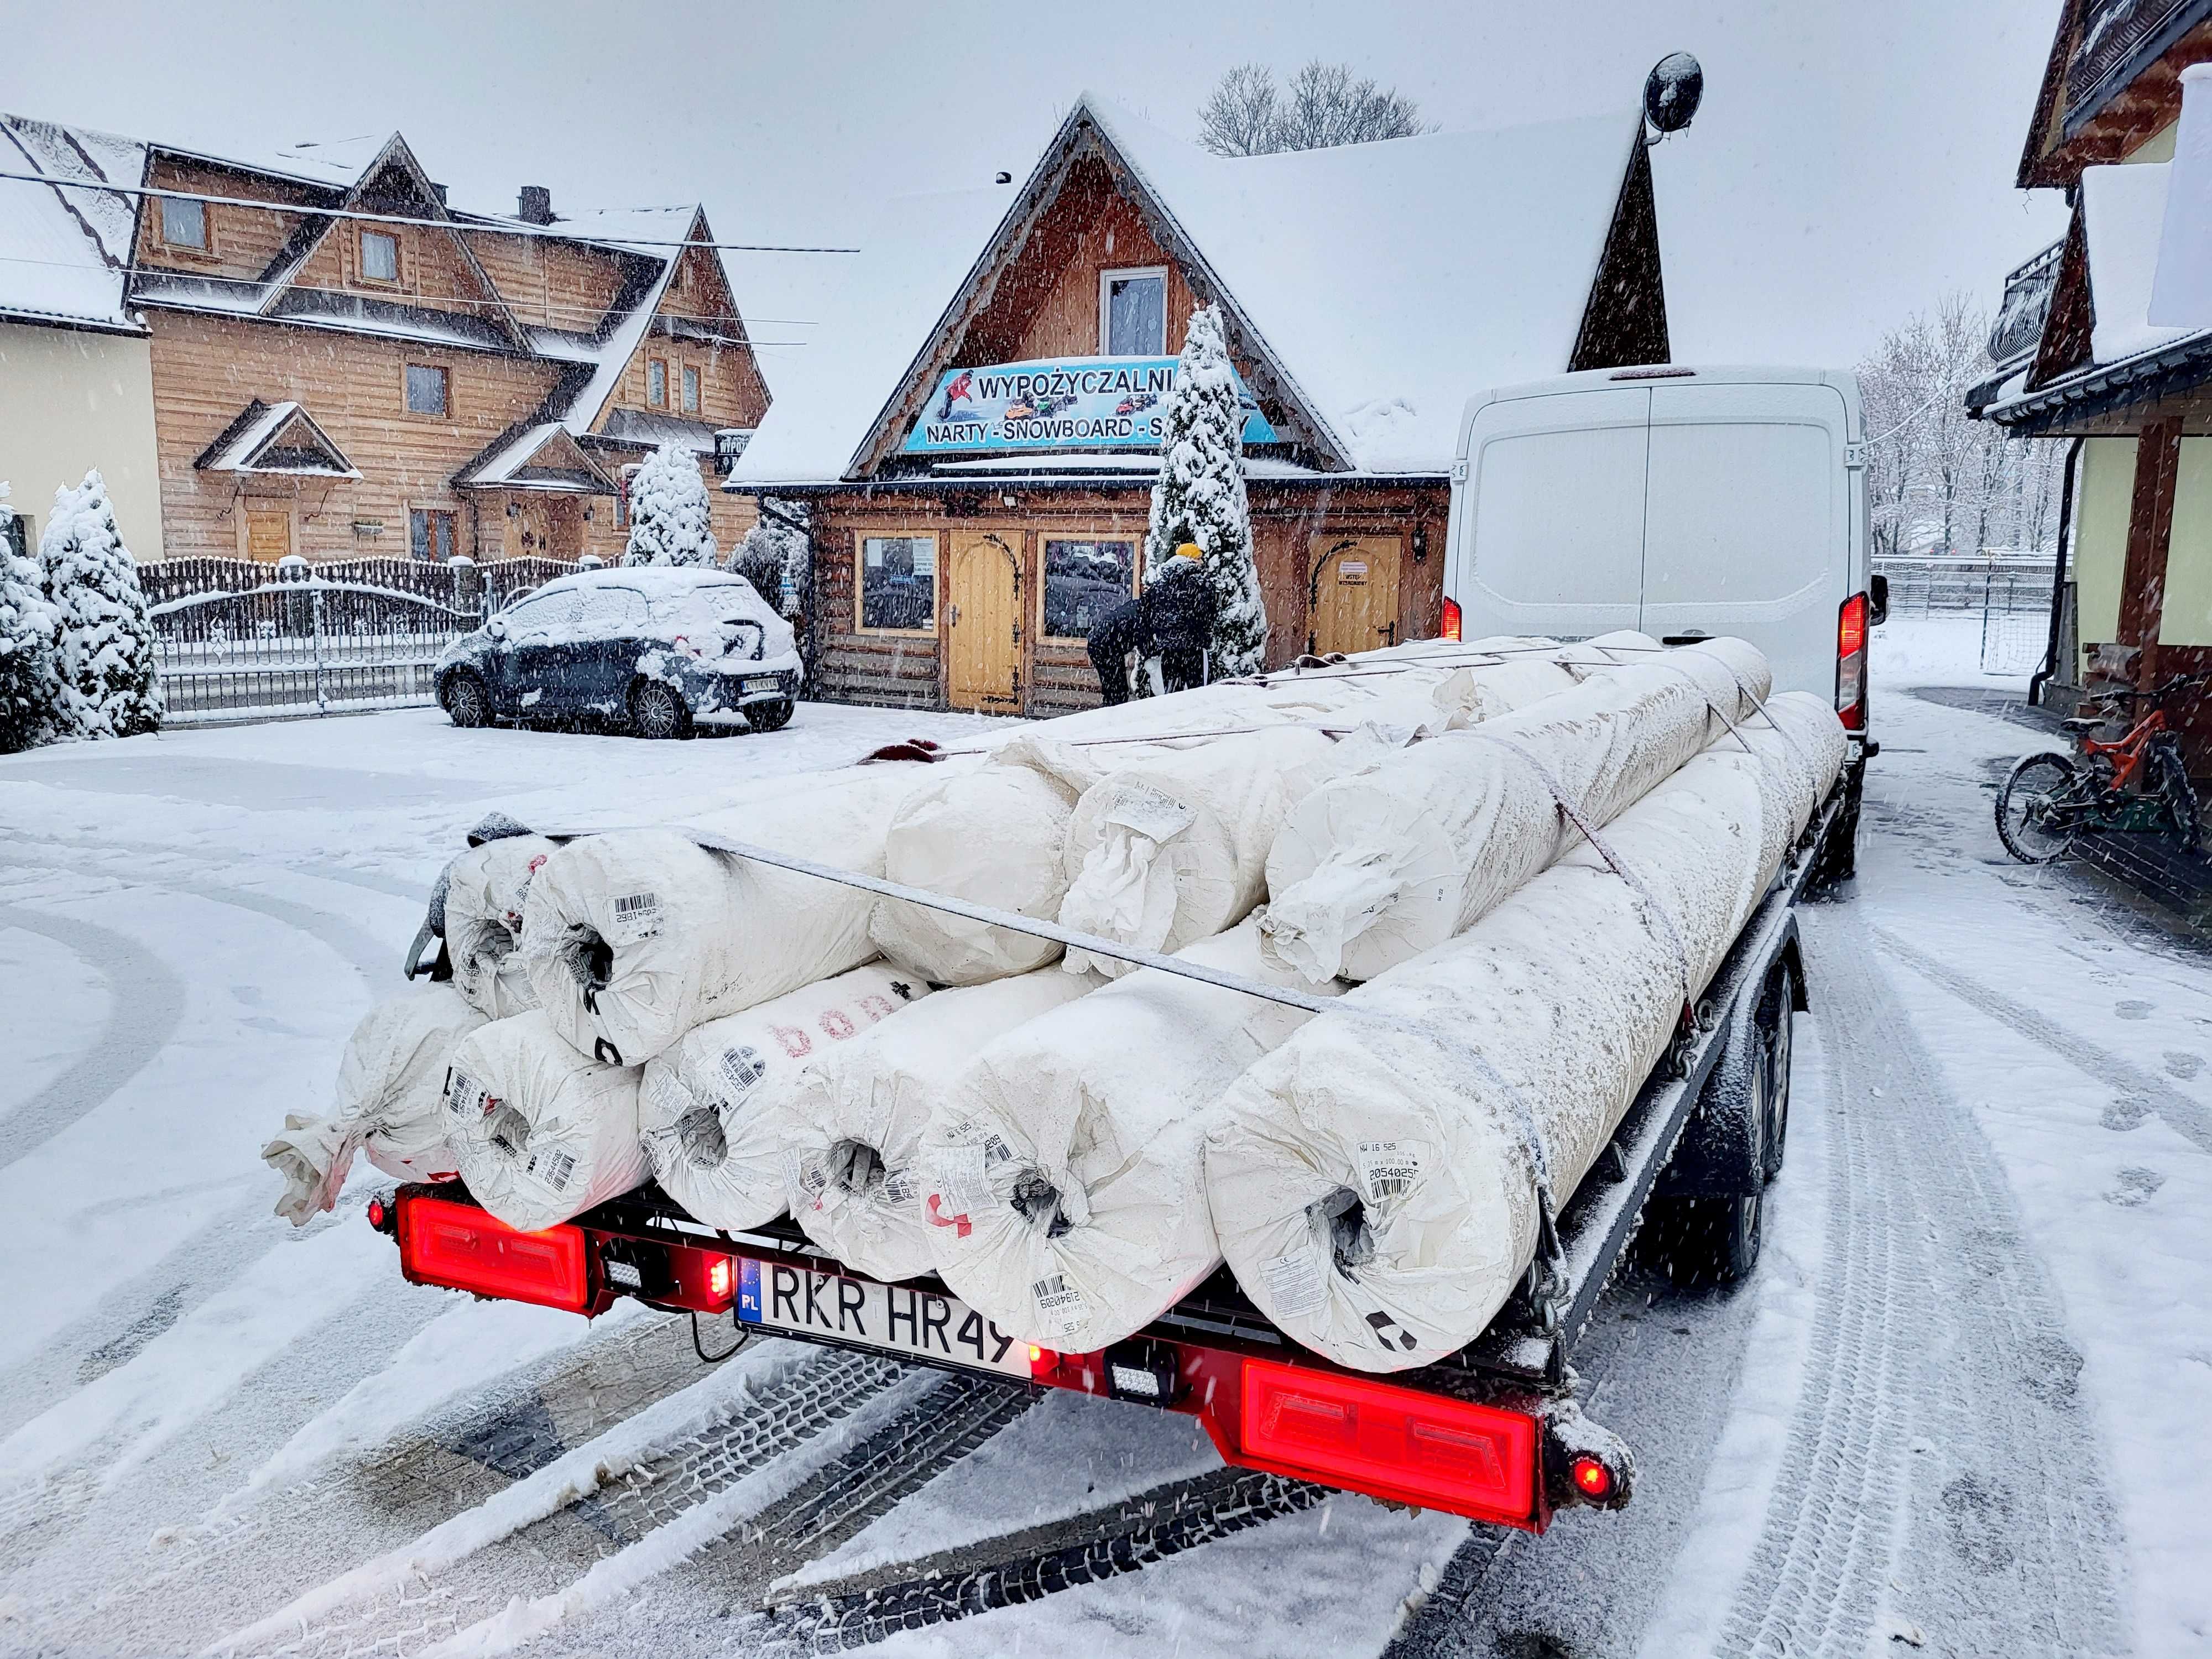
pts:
[983, 623]
[1354, 592]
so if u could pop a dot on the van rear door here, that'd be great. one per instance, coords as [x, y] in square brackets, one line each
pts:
[1747, 521]
[1555, 543]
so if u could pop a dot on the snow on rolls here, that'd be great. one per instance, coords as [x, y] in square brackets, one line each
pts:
[708, 1110]
[389, 1103]
[1372, 1181]
[1063, 1172]
[1374, 868]
[853, 1126]
[485, 891]
[539, 1132]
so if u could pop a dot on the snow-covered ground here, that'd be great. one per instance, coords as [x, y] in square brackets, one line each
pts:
[1951, 1412]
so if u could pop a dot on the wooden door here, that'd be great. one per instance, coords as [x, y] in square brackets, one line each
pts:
[1354, 592]
[267, 534]
[983, 623]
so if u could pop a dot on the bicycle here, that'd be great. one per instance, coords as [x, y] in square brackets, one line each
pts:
[2049, 799]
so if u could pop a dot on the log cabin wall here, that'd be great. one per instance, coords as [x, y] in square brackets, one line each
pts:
[241, 241]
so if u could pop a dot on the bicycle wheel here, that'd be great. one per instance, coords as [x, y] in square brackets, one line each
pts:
[2169, 780]
[2038, 808]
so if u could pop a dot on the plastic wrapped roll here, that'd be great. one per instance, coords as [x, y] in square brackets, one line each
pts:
[486, 889]
[851, 1134]
[708, 1109]
[1063, 1169]
[539, 1132]
[1370, 1181]
[389, 1102]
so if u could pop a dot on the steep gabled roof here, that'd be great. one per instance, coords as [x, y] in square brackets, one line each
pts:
[68, 249]
[544, 456]
[275, 438]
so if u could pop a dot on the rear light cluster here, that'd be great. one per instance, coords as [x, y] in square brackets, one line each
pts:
[1851, 663]
[1451, 619]
[459, 1246]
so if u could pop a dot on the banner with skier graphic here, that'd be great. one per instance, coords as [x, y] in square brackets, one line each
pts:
[1064, 402]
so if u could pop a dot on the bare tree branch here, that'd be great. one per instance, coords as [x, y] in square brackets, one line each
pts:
[1324, 105]
[1240, 115]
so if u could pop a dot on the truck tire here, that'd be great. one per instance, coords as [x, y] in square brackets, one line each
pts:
[1781, 1001]
[1705, 1240]
[1840, 856]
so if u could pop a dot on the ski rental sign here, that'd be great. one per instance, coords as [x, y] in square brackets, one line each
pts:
[1061, 403]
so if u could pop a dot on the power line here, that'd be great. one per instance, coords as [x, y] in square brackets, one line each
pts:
[500, 227]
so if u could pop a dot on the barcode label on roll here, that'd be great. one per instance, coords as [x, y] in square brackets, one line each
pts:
[466, 1098]
[1060, 1304]
[743, 1066]
[553, 1168]
[637, 917]
[1388, 1169]
[898, 1189]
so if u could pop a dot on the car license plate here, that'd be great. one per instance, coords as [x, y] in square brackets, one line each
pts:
[767, 682]
[891, 1318]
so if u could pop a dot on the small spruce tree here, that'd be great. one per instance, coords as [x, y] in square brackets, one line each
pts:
[110, 681]
[770, 552]
[1200, 495]
[30, 673]
[670, 519]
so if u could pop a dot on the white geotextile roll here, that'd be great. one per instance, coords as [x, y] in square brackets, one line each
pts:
[1071, 1151]
[708, 1108]
[389, 1103]
[1371, 869]
[634, 937]
[486, 891]
[993, 834]
[851, 1130]
[1370, 1181]
[541, 1133]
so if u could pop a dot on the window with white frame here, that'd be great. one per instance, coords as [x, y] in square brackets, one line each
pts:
[1132, 313]
[379, 257]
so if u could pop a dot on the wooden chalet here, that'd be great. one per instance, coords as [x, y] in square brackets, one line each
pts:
[2106, 338]
[972, 436]
[345, 364]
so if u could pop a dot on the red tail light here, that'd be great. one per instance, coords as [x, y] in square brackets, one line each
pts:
[1416, 1448]
[465, 1249]
[1451, 619]
[1851, 663]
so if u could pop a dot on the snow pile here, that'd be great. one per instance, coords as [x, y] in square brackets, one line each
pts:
[107, 658]
[486, 888]
[390, 1102]
[1372, 1180]
[669, 516]
[539, 1132]
[707, 1109]
[30, 682]
[851, 1129]
[1063, 1168]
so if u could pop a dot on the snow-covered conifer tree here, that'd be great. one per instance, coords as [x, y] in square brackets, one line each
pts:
[110, 681]
[30, 676]
[669, 519]
[1200, 495]
[770, 551]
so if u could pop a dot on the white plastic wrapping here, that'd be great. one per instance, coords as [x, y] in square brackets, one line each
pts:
[993, 834]
[485, 892]
[1063, 1167]
[389, 1102]
[1370, 1180]
[851, 1130]
[707, 1110]
[540, 1132]
[1373, 868]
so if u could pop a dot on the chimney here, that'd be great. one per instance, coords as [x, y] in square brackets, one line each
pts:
[535, 206]
[439, 192]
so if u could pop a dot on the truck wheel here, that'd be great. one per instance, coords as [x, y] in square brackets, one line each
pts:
[1782, 1003]
[655, 711]
[1706, 1241]
[768, 716]
[467, 703]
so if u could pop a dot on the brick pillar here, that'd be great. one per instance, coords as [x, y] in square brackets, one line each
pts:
[2150, 526]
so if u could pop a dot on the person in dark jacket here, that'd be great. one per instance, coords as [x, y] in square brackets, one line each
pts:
[1170, 628]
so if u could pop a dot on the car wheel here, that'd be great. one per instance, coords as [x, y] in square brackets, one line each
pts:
[655, 711]
[768, 716]
[467, 701]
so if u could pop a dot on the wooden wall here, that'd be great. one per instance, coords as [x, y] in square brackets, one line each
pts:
[241, 241]
[553, 284]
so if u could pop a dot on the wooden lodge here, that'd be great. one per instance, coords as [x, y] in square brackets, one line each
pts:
[971, 445]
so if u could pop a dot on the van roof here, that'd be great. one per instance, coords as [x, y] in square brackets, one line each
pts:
[1597, 379]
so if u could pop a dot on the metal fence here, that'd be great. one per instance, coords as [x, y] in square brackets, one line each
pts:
[2011, 598]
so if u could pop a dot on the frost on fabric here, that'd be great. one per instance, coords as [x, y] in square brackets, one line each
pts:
[110, 686]
[670, 518]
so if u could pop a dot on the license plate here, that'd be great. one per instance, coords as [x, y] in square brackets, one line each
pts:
[891, 1318]
[746, 688]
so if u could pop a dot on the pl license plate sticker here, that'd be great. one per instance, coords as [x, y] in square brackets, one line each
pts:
[893, 1318]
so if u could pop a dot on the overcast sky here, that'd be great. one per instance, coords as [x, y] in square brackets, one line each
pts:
[1853, 160]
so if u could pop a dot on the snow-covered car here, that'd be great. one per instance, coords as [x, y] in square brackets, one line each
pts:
[655, 648]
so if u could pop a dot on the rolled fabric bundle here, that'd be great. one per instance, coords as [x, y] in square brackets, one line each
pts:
[389, 1103]
[1372, 1181]
[993, 834]
[541, 1133]
[1063, 1168]
[634, 937]
[1371, 869]
[485, 891]
[851, 1130]
[705, 1110]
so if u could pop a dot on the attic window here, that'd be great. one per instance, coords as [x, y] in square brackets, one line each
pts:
[183, 224]
[379, 257]
[656, 383]
[1132, 313]
[426, 390]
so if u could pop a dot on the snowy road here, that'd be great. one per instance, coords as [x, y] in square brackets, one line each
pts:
[1941, 1417]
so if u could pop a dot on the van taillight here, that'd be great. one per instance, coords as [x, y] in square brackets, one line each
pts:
[1851, 663]
[1451, 619]
[1413, 1447]
[466, 1248]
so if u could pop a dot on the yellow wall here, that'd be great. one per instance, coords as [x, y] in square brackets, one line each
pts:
[2187, 617]
[71, 401]
[2102, 497]
[2159, 147]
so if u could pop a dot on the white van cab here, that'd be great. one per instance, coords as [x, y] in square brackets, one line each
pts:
[1686, 502]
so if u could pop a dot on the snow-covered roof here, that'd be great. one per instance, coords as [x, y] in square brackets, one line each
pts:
[68, 249]
[512, 462]
[1388, 281]
[248, 443]
[2122, 214]
[653, 429]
